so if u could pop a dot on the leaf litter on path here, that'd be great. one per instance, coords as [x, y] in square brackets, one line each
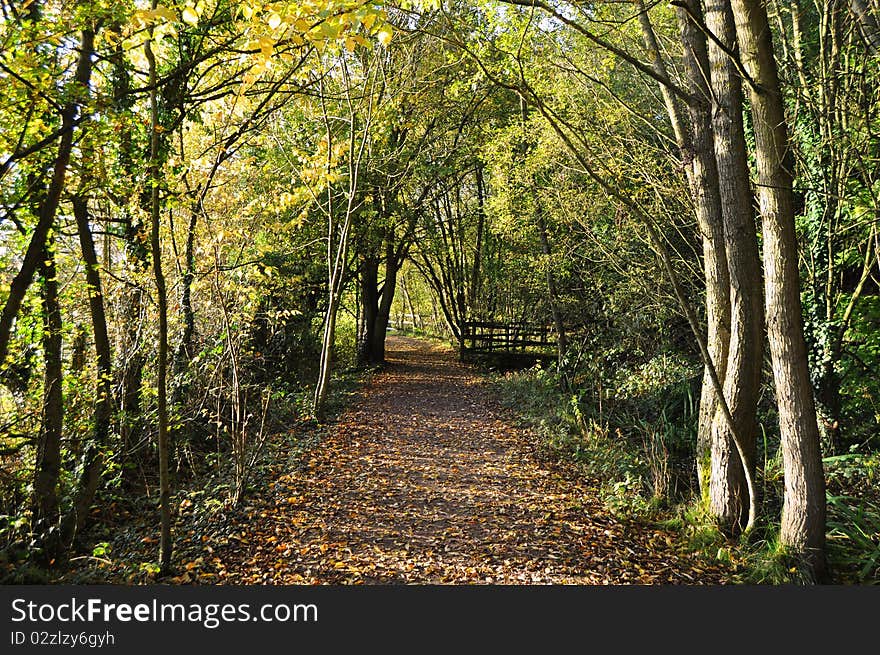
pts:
[426, 480]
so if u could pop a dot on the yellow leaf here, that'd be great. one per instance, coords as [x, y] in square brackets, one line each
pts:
[247, 11]
[274, 20]
[350, 44]
[165, 12]
[266, 47]
[189, 16]
[384, 35]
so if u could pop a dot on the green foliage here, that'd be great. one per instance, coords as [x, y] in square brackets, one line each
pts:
[634, 441]
[854, 517]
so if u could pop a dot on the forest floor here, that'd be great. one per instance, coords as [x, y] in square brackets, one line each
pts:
[426, 479]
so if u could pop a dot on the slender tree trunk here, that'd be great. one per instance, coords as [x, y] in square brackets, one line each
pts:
[698, 157]
[327, 341]
[552, 292]
[803, 512]
[183, 353]
[165, 545]
[673, 109]
[476, 280]
[92, 458]
[131, 364]
[727, 493]
[335, 292]
[47, 467]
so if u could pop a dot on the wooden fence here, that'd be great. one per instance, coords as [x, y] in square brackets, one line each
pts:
[488, 337]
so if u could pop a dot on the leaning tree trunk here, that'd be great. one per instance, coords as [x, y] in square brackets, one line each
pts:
[803, 512]
[49, 205]
[337, 272]
[727, 489]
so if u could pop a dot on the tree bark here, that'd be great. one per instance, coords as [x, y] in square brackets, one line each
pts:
[47, 467]
[803, 512]
[165, 544]
[389, 287]
[131, 365]
[552, 292]
[335, 292]
[183, 353]
[476, 281]
[697, 151]
[727, 491]
[369, 282]
[92, 458]
[866, 21]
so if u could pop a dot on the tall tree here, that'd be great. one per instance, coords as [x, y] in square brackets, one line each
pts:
[742, 372]
[803, 511]
[155, 182]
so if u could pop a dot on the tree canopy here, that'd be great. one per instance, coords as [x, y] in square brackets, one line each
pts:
[212, 213]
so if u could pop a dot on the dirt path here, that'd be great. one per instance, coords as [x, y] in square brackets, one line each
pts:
[424, 480]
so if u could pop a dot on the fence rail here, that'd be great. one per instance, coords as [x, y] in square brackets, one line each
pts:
[484, 337]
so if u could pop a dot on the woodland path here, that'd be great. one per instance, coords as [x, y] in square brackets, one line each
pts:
[425, 480]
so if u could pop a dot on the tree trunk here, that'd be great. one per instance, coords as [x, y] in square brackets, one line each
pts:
[377, 300]
[803, 512]
[552, 293]
[47, 467]
[389, 287]
[727, 492]
[131, 365]
[92, 460]
[701, 165]
[183, 353]
[369, 280]
[335, 291]
[165, 545]
[866, 22]
[476, 281]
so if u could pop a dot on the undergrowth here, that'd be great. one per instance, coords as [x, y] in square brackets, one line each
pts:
[121, 543]
[636, 443]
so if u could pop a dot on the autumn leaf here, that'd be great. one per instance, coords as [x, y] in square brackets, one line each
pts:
[385, 34]
[189, 16]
